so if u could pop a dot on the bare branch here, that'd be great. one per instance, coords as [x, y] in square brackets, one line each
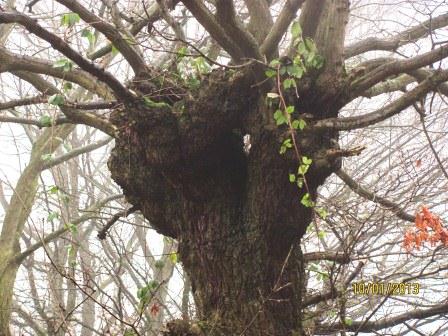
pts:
[226, 17]
[388, 111]
[357, 188]
[14, 62]
[396, 67]
[287, 15]
[384, 322]
[391, 44]
[209, 22]
[59, 44]
[122, 43]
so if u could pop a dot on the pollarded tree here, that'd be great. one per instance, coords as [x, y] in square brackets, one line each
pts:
[179, 153]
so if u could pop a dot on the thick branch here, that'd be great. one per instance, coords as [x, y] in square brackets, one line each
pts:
[59, 44]
[226, 17]
[384, 322]
[406, 100]
[260, 19]
[14, 62]
[391, 44]
[396, 67]
[72, 114]
[208, 21]
[121, 42]
[287, 15]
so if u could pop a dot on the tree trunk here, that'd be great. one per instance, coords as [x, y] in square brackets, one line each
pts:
[236, 216]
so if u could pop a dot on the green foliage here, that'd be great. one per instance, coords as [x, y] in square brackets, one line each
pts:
[56, 99]
[152, 104]
[52, 216]
[173, 258]
[71, 227]
[87, 33]
[46, 157]
[146, 293]
[67, 86]
[70, 19]
[64, 64]
[306, 201]
[46, 120]
[159, 264]
[285, 146]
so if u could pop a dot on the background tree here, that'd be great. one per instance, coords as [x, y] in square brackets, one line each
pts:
[191, 81]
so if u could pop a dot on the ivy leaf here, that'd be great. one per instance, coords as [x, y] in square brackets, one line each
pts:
[279, 118]
[67, 86]
[348, 321]
[292, 178]
[306, 160]
[290, 109]
[63, 63]
[150, 103]
[53, 189]
[296, 30]
[159, 264]
[88, 35]
[45, 120]
[322, 213]
[306, 201]
[173, 258]
[321, 234]
[270, 73]
[52, 216]
[56, 99]
[114, 50]
[70, 19]
[46, 157]
[288, 83]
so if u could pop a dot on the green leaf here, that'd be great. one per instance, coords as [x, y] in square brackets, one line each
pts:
[288, 83]
[301, 48]
[70, 19]
[159, 264]
[296, 71]
[285, 145]
[292, 178]
[114, 50]
[290, 109]
[173, 258]
[89, 36]
[279, 118]
[274, 63]
[348, 321]
[182, 52]
[302, 124]
[52, 216]
[56, 99]
[45, 120]
[300, 182]
[71, 227]
[321, 234]
[270, 73]
[67, 86]
[296, 30]
[302, 170]
[321, 212]
[306, 160]
[306, 201]
[150, 103]
[63, 63]
[46, 157]
[53, 189]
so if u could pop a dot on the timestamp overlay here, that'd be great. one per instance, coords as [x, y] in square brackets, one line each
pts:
[386, 288]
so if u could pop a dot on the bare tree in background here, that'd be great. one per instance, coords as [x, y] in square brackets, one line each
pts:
[314, 80]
